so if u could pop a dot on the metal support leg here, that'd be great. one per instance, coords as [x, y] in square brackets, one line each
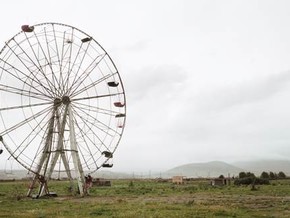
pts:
[75, 155]
[59, 150]
[44, 159]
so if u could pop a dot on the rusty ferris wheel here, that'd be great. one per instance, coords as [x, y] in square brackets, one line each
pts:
[63, 106]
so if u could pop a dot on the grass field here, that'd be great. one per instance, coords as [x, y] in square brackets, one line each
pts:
[149, 198]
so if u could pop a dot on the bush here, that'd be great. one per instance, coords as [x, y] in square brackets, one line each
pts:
[244, 181]
[281, 175]
[265, 175]
[251, 180]
[246, 175]
[242, 175]
[272, 175]
[251, 175]
[261, 181]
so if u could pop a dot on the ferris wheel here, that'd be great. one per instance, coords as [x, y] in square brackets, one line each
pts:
[62, 103]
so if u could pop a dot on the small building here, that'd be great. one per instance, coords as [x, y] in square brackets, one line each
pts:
[177, 179]
[220, 181]
[101, 182]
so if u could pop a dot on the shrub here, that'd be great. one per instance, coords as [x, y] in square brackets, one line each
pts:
[281, 175]
[244, 181]
[251, 180]
[251, 175]
[246, 175]
[272, 175]
[261, 181]
[265, 175]
[242, 175]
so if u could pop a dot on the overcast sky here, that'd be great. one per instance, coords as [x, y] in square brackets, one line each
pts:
[205, 80]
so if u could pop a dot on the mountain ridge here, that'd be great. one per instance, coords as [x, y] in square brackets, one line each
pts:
[207, 169]
[190, 170]
[258, 166]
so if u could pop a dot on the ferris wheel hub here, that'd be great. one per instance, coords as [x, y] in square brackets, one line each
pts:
[57, 102]
[65, 100]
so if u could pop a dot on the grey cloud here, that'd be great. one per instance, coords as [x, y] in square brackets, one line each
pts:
[237, 115]
[244, 93]
[132, 47]
[137, 46]
[156, 82]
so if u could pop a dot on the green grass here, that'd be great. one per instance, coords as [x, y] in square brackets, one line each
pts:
[148, 198]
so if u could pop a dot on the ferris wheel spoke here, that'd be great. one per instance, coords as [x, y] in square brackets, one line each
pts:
[79, 67]
[36, 155]
[95, 62]
[36, 133]
[22, 92]
[104, 78]
[95, 109]
[86, 123]
[15, 75]
[61, 80]
[24, 106]
[22, 163]
[92, 132]
[95, 121]
[54, 79]
[21, 59]
[87, 147]
[25, 121]
[87, 73]
[65, 83]
[48, 61]
[97, 96]
[23, 160]
[57, 51]
[39, 65]
[72, 66]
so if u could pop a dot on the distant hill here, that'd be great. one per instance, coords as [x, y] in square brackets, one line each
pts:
[209, 169]
[15, 174]
[22, 174]
[112, 175]
[259, 166]
[192, 170]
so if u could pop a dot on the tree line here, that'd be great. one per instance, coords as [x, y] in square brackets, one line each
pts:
[247, 178]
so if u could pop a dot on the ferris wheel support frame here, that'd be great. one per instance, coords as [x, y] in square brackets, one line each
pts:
[60, 149]
[75, 155]
[46, 159]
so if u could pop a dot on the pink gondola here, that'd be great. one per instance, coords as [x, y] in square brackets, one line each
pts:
[27, 28]
[119, 104]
